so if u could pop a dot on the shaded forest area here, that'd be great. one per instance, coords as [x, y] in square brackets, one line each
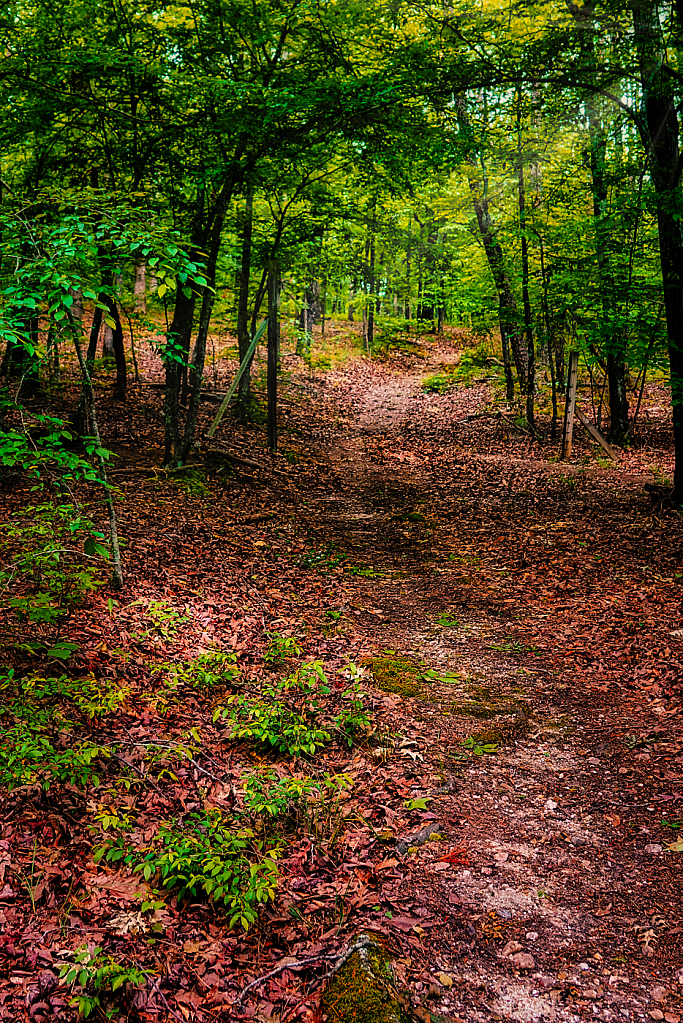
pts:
[329, 690]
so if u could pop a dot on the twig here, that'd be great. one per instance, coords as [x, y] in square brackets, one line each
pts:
[156, 989]
[340, 958]
[365, 941]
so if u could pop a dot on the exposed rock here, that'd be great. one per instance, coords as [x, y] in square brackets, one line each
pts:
[523, 961]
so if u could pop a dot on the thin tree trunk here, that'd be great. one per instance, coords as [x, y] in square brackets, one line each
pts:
[614, 342]
[507, 306]
[371, 285]
[91, 419]
[119, 351]
[140, 288]
[528, 326]
[243, 338]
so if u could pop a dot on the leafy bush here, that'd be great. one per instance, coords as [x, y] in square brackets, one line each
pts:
[290, 715]
[203, 855]
[205, 673]
[51, 557]
[28, 754]
[281, 648]
[396, 334]
[473, 363]
[323, 559]
[51, 553]
[95, 976]
[37, 714]
[165, 621]
[311, 804]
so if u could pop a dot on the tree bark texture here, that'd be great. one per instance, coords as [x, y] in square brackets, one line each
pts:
[660, 130]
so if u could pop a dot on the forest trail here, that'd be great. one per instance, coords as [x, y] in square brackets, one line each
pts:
[518, 623]
[561, 901]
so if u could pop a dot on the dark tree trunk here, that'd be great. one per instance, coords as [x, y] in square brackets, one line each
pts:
[18, 360]
[119, 352]
[660, 130]
[243, 337]
[311, 307]
[613, 341]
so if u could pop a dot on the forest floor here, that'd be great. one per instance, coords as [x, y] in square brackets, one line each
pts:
[513, 829]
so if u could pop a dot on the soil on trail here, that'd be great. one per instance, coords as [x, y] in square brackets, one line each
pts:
[512, 831]
[564, 901]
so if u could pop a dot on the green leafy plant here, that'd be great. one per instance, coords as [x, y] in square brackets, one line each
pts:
[205, 673]
[281, 648]
[290, 715]
[417, 804]
[204, 855]
[165, 621]
[365, 572]
[472, 747]
[37, 742]
[52, 556]
[28, 754]
[324, 559]
[96, 977]
[311, 804]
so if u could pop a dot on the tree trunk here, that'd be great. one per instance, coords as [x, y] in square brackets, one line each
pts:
[613, 340]
[311, 307]
[118, 349]
[528, 326]
[510, 334]
[243, 338]
[660, 130]
[140, 288]
[371, 286]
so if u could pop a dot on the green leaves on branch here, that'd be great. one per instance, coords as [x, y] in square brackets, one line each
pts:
[291, 715]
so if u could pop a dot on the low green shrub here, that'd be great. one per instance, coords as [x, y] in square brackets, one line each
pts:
[281, 648]
[204, 674]
[38, 715]
[51, 557]
[291, 715]
[297, 804]
[205, 856]
[96, 978]
[164, 621]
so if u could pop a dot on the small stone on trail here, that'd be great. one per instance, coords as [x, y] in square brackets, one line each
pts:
[653, 849]
[594, 760]
[671, 1017]
[531, 935]
[579, 840]
[523, 961]
[657, 1014]
[511, 948]
[444, 979]
[659, 993]
[550, 805]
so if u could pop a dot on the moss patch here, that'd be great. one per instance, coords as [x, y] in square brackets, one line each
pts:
[393, 674]
[363, 991]
[516, 725]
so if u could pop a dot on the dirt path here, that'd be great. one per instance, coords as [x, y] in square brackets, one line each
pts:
[511, 829]
[562, 902]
